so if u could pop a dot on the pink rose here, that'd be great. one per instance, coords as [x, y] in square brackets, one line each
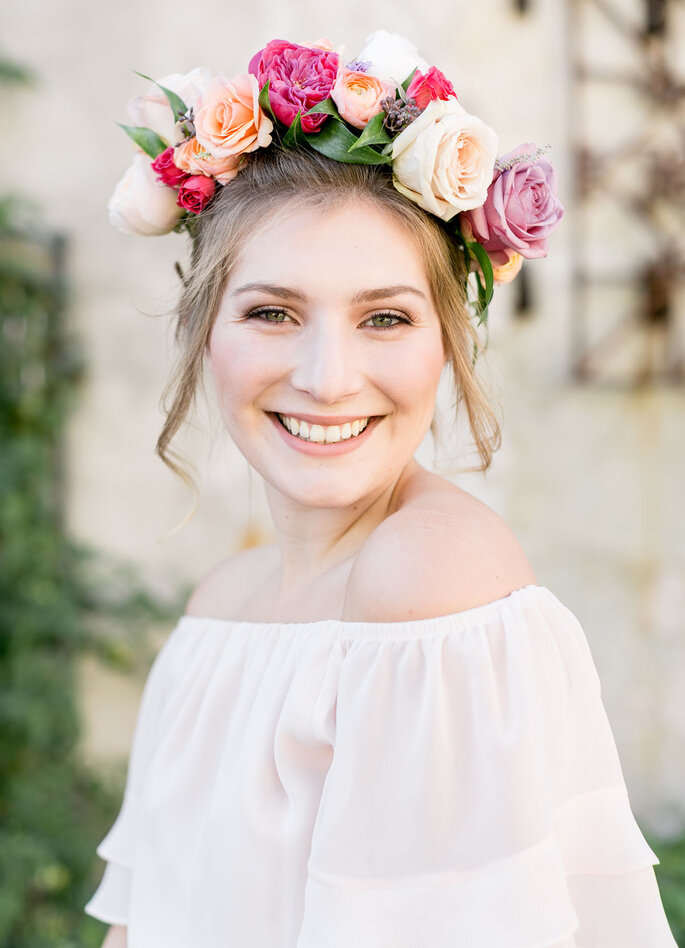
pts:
[193, 158]
[434, 85]
[358, 96]
[152, 110]
[141, 204]
[196, 192]
[521, 209]
[228, 118]
[299, 77]
[167, 172]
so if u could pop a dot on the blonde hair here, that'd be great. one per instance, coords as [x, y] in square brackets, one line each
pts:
[274, 179]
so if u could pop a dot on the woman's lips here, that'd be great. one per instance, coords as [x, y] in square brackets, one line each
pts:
[324, 449]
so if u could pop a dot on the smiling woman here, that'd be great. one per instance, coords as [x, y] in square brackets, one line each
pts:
[380, 730]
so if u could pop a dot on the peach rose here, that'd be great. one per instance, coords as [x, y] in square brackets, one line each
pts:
[193, 158]
[444, 160]
[228, 119]
[141, 204]
[358, 96]
[506, 272]
[152, 110]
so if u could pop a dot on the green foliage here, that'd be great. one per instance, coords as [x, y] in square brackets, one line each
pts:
[58, 600]
[670, 874]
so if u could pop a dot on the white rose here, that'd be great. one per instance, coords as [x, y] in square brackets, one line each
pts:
[152, 109]
[392, 56]
[141, 204]
[445, 160]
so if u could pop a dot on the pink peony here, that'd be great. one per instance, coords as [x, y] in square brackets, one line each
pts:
[434, 85]
[196, 192]
[299, 77]
[167, 172]
[521, 209]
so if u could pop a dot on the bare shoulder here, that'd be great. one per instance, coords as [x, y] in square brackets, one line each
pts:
[442, 552]
[221, 592]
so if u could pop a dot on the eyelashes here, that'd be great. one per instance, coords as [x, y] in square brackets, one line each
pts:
[261, 312]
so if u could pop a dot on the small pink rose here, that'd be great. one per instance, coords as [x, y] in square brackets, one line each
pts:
[196, 192]
[434, 85]
[521, 209]
[167, 172]
[299, 78]
[193, 158]
[358, 96]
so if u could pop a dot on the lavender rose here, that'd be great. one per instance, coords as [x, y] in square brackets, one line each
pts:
[299, 77]
[521, 209]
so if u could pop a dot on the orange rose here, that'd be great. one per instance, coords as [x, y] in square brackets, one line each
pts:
[506, 272]
[358, 96]
[228, 119]
[193, 158]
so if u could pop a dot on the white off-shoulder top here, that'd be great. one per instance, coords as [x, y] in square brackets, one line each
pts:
[432, 783]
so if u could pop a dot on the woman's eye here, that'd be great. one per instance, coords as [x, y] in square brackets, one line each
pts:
[386, 320]
[269, 315]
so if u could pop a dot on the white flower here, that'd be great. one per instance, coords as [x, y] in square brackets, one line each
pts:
[444, 160]
[391, 56]
[141, 204]
[152, 109]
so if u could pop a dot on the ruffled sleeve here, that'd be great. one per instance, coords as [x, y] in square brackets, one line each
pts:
[110, 902]
[475, 795]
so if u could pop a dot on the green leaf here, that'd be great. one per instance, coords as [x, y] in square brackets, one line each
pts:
[407, 81]
[146, 139]
[335, 141]
[479, 253]
[178, 106]
[290, 140]
[326, 107]
[374, 133]
[264, 103]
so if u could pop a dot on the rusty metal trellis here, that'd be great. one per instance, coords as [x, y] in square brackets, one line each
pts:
[629, 316]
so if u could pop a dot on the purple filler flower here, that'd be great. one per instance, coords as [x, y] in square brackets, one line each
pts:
[299, 77]
[521, 209]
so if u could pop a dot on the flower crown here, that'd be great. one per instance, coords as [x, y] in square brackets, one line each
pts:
[387, 106]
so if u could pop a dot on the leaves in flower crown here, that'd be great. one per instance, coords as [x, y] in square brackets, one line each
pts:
[264, 103]
[295, 132]
[335, 140]
[374, 133]
[327, 107]
[486, 284]
[407, 81]
[178, 106]
[146, 139]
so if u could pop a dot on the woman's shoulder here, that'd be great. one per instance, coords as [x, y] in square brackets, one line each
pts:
[443, 551]
[222, 590]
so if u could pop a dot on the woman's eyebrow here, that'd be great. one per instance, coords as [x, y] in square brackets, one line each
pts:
[364, 296]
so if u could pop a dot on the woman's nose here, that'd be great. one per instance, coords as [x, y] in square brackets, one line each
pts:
[328, 365]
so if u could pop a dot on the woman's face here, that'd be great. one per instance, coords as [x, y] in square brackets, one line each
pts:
[327, 323]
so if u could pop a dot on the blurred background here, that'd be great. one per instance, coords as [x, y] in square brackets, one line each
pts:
[586, 361]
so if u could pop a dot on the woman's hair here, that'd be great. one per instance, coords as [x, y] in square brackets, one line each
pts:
[274, 180]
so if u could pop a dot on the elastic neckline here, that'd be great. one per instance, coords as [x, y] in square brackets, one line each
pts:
[464, 619]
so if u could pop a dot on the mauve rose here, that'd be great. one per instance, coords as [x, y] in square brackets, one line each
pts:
[299, 77]
[167, 172]
[196, 192]
[140, 204]
[521, 209]
[152, 109]
[433, 85]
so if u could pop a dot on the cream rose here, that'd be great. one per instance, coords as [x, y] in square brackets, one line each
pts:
[152, 109]
[391, 56]
[228, 118]
[444, 160]
[140, 204]
[193, 158]
[358, 96]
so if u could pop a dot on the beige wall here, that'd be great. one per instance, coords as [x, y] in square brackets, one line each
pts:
[590, 481]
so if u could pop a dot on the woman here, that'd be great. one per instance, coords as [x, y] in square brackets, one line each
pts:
[380, 731]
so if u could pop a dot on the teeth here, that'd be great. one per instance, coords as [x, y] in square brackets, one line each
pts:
[320, 434]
